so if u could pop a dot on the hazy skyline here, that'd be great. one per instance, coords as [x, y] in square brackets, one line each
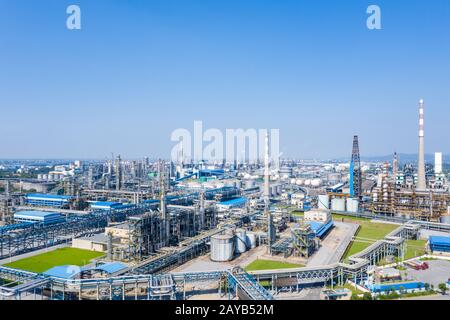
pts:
[137, 70]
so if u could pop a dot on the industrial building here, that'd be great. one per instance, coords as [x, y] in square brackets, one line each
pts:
[38, 217]
[47, 200]
[232, 204]
[439, 244]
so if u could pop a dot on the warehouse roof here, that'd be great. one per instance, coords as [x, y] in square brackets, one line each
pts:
[105, 204]
[70, 271]
[234, 201]
[35, 214]
[48, 196]
[439, 240]
[396, 286]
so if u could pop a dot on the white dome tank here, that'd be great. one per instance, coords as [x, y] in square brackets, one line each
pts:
[338, 204]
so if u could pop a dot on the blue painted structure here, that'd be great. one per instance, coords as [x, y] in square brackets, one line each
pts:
[319, 228]
[47, 200]
[406, 286]
[105, 205]
[439, 243]
[32, 216]
[233, 203]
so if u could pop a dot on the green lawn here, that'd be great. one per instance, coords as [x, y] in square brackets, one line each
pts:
[270, 265]
[415, 248]
[368, 233]
[58, 257]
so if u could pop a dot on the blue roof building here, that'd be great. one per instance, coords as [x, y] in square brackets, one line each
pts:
[32, 216]
[439, 243]
[406, 286]
[233, 203]
[104, 205]
[47, 200]
[72, 272]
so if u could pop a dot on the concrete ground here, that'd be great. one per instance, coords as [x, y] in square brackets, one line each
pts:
[439, 272]
[334, 245]
[204, 263]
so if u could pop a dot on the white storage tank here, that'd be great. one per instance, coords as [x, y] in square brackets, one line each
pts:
[338, 204]
[222, 247]
[316, 182]
[241, 241]
[323, 201]
[299, 182]
[352, 205]
[251, 240]
[307, 182]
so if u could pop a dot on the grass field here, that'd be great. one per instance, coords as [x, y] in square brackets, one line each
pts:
[368, 233]
[270, 265]
[415, 248]
[59, 257]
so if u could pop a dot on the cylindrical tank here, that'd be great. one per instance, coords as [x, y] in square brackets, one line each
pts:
[307, 182]
[293, 181]
[241, 241]
[316, 182]
[352, 205]
[324, 201]
[300, 182]
[251, 240]
[338, 204]
[222, 247]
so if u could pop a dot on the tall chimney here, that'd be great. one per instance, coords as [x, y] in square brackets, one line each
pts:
[270, 233]
[421, 182]
[266, 174]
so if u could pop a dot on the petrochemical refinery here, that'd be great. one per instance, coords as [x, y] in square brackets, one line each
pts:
[156, 229]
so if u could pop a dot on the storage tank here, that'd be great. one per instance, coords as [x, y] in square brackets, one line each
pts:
[323, 201]
[316, 182]
[293, 181]
[251, 240]
[307, 182]
[352, 205]
[338, 204]
[299, 182]
[241, 241]
[222, 247]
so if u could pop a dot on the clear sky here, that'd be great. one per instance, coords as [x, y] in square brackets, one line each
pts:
[138, 69]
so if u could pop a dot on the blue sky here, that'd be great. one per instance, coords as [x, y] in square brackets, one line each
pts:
[140, 69]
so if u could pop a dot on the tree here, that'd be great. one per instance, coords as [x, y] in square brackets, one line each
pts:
[367, 296]
[427, 286]
[443, 288]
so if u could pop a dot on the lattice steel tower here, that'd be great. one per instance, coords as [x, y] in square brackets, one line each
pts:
[355, 171]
